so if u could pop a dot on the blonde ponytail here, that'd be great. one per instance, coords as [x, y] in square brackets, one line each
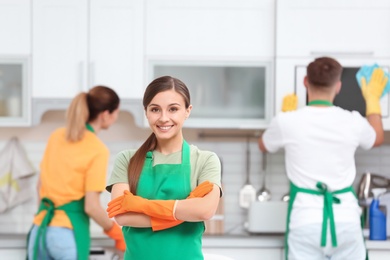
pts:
[76, 118]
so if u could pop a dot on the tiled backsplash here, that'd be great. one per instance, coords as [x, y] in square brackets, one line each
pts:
[233, 155]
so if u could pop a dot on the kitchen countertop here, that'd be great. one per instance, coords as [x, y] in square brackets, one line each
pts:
[218, 241]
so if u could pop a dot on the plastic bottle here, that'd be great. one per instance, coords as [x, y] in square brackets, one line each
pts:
[377, 217]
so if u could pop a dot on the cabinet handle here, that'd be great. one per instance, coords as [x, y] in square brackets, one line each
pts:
[342, 53]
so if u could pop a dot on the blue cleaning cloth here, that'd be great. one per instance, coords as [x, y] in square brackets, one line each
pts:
[366, 71]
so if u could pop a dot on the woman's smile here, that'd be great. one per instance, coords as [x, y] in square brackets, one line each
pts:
[165, 128]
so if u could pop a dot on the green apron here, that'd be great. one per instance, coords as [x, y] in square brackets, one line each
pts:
[77, 216]
[329, 199]
[165, 182]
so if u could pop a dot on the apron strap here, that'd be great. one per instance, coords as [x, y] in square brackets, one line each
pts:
[329, 199]
[78, 218]
[80, 222]
[186, 154]
[48, 205]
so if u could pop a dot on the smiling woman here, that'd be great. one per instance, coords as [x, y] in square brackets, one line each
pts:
[163, 192]
[166, 114]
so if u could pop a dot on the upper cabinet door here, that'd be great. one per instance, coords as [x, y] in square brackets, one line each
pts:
[79, 44]
[59, 48]
[203, 28]
[15, 27]
[116, 46]
[332, 27]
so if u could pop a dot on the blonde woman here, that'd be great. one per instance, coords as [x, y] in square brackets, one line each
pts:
[73, 174]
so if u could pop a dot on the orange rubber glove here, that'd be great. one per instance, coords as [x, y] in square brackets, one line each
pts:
[116, 234]
[200, 191]
[290, 103]
[372, 91]
[129, 202]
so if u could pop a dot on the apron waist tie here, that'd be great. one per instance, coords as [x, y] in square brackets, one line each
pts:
[48, 205]
[329, 199]
[78, 218]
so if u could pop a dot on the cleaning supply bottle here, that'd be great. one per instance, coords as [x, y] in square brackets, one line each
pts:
[377, 218]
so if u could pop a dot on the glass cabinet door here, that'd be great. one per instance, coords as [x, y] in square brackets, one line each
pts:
[13, 92]
[224, 96]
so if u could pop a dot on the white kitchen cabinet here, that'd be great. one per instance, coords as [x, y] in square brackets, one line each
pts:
[378, 250]
[246, 253]
[222, 50]
[15, 27]
[60, 48]
[208, 29]
[116, 46]
[15, 91]
[373, 254]
[81, 43]
[235, 95]
[15, 53]
[378, 254]
[244, 247]
[322, 27]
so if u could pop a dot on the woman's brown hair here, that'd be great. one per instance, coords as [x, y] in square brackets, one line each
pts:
[156, 86]
[85, 107]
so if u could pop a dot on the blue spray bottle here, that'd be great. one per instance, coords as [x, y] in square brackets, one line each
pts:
[377, 218]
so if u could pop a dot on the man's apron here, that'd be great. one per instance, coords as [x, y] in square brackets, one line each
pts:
[329, 199]
[80, 222]
[165, 182]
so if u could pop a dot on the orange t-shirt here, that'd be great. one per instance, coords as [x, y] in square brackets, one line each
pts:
[69, 170]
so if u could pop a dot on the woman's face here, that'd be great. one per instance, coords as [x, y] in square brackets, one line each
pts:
[166, 114]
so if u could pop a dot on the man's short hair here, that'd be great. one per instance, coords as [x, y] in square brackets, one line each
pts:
[324, 72]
